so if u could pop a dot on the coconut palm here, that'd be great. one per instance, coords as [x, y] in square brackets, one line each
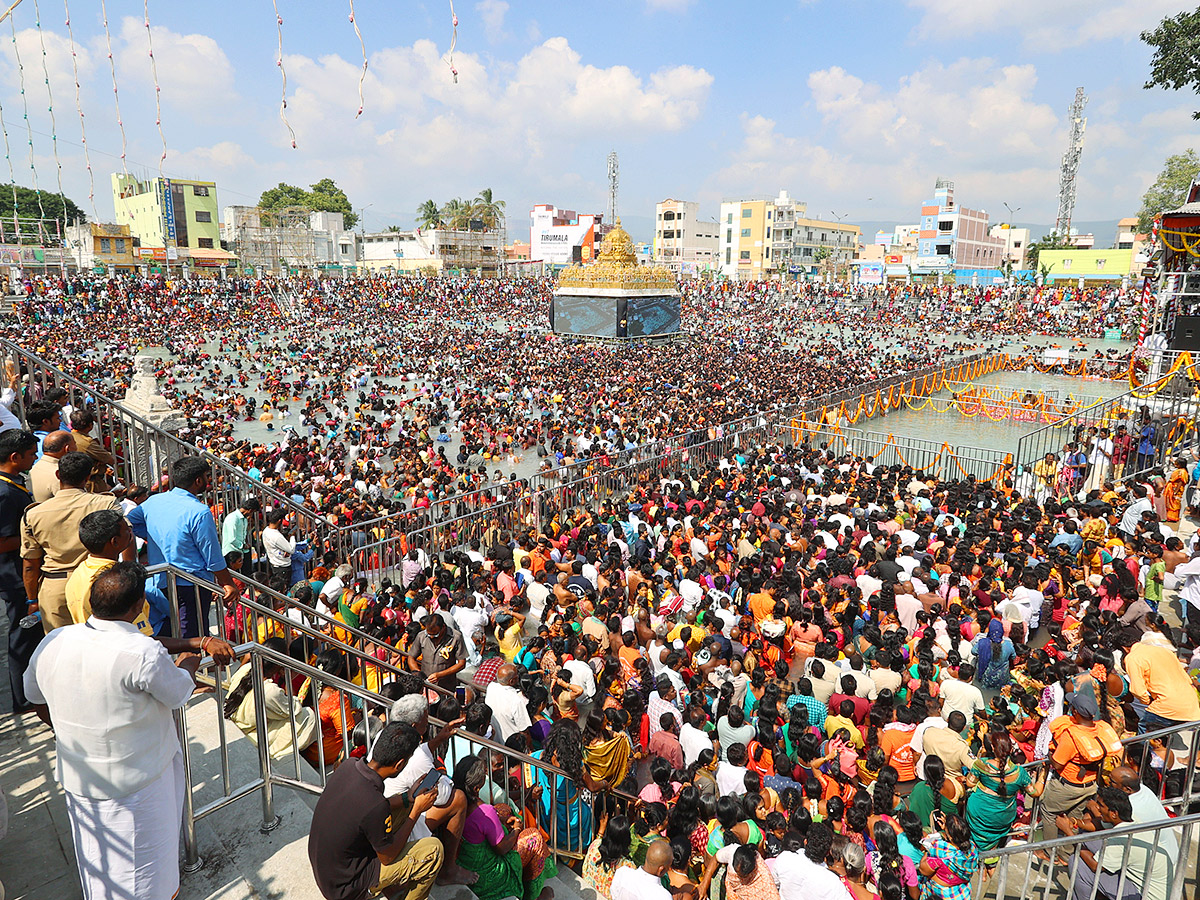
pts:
[429, 215]
[489, 209]
[456, 213]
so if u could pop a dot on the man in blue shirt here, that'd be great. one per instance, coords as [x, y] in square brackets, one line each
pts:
[43, 418]
[179, 529]
[1069, 537]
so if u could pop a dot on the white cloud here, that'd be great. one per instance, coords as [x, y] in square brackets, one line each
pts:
[193, 71]
[492, 12]
[668, 5]
[969, 120]
[1043, 26]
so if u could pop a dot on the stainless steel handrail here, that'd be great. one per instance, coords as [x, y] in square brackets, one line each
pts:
[350, 696]
[365, 658]
[1032, 884]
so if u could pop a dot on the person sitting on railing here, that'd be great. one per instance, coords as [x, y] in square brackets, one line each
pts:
[281, 711]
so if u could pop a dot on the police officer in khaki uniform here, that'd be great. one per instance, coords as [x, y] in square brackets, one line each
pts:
[43, 477]
[50, 545]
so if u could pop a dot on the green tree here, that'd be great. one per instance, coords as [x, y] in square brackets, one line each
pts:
[429, 215]
[1176, 61]
[1170, 188]
[282, 196]
[456, 214]
[488, 209]
[326, 196]
[1052, 241]
[53, 206]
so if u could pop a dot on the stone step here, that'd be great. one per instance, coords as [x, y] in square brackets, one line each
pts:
[239, 860]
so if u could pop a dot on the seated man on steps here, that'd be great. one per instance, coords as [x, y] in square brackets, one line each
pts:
[355, 853]
[448, 814]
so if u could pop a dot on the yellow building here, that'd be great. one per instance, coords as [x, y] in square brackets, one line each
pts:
[168, 212]
[774, 238]
[99, 246]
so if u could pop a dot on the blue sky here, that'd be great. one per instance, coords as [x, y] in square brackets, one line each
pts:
[852, 106]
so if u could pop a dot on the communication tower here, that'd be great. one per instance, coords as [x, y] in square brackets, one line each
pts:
[1069, 171]
[614, 181]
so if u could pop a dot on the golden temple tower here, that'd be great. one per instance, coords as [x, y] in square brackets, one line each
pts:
[614, 297]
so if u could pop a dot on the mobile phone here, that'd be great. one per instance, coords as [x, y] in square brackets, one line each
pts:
[432, 777]
[460, 694]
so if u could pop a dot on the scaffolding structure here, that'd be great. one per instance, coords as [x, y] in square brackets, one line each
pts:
[274, 240]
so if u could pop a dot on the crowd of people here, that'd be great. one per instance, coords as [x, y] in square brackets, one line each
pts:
[792, 673]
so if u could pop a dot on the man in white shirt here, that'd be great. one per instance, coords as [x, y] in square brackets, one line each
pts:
[693, 738]
[449, 811]
[510, 712]
[279, 547]
[731, 771]
[802, 874]
[645, 882]
[581, 673]
[331, 591]
[470, 621]
[961, 694]
[110, 691]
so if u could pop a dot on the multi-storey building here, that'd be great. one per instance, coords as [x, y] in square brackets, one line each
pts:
[684, 242]
[955, 237]
[775, 237]
[1016, 243]
[438, 250]
[100, 247]
[174, 219]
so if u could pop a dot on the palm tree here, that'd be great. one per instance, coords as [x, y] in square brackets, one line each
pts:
[489, 209]
[457, 213]
[428, 215]
[393, 229]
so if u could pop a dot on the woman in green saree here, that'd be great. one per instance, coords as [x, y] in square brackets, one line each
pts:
[509, 861]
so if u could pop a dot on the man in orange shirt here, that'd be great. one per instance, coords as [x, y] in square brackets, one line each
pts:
[762, 604]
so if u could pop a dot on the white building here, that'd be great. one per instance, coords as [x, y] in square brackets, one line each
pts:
[561, 237]
[317, 240]
[1016, 243]
[440, 250]
[683, 241]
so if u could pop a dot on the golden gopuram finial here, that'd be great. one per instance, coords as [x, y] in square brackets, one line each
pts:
[616, 266]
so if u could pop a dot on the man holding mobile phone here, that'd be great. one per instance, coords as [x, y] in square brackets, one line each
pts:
[353, 852]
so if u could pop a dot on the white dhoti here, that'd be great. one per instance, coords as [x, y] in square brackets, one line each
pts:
[128, 849]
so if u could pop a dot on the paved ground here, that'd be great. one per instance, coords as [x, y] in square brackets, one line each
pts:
[37, 861]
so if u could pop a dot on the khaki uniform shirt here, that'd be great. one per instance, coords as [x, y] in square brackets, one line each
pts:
[44, 478]
[103, 458]
[50, 530]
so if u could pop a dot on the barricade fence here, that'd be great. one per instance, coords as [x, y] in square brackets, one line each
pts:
[143, 453]
[281, 714]
[1160, 418]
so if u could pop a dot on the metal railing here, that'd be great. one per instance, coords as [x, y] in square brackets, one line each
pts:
[1180, 796]
[1160, 418]
[306, 769]
[1020, 873]
[143, 452]
[254, 619]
